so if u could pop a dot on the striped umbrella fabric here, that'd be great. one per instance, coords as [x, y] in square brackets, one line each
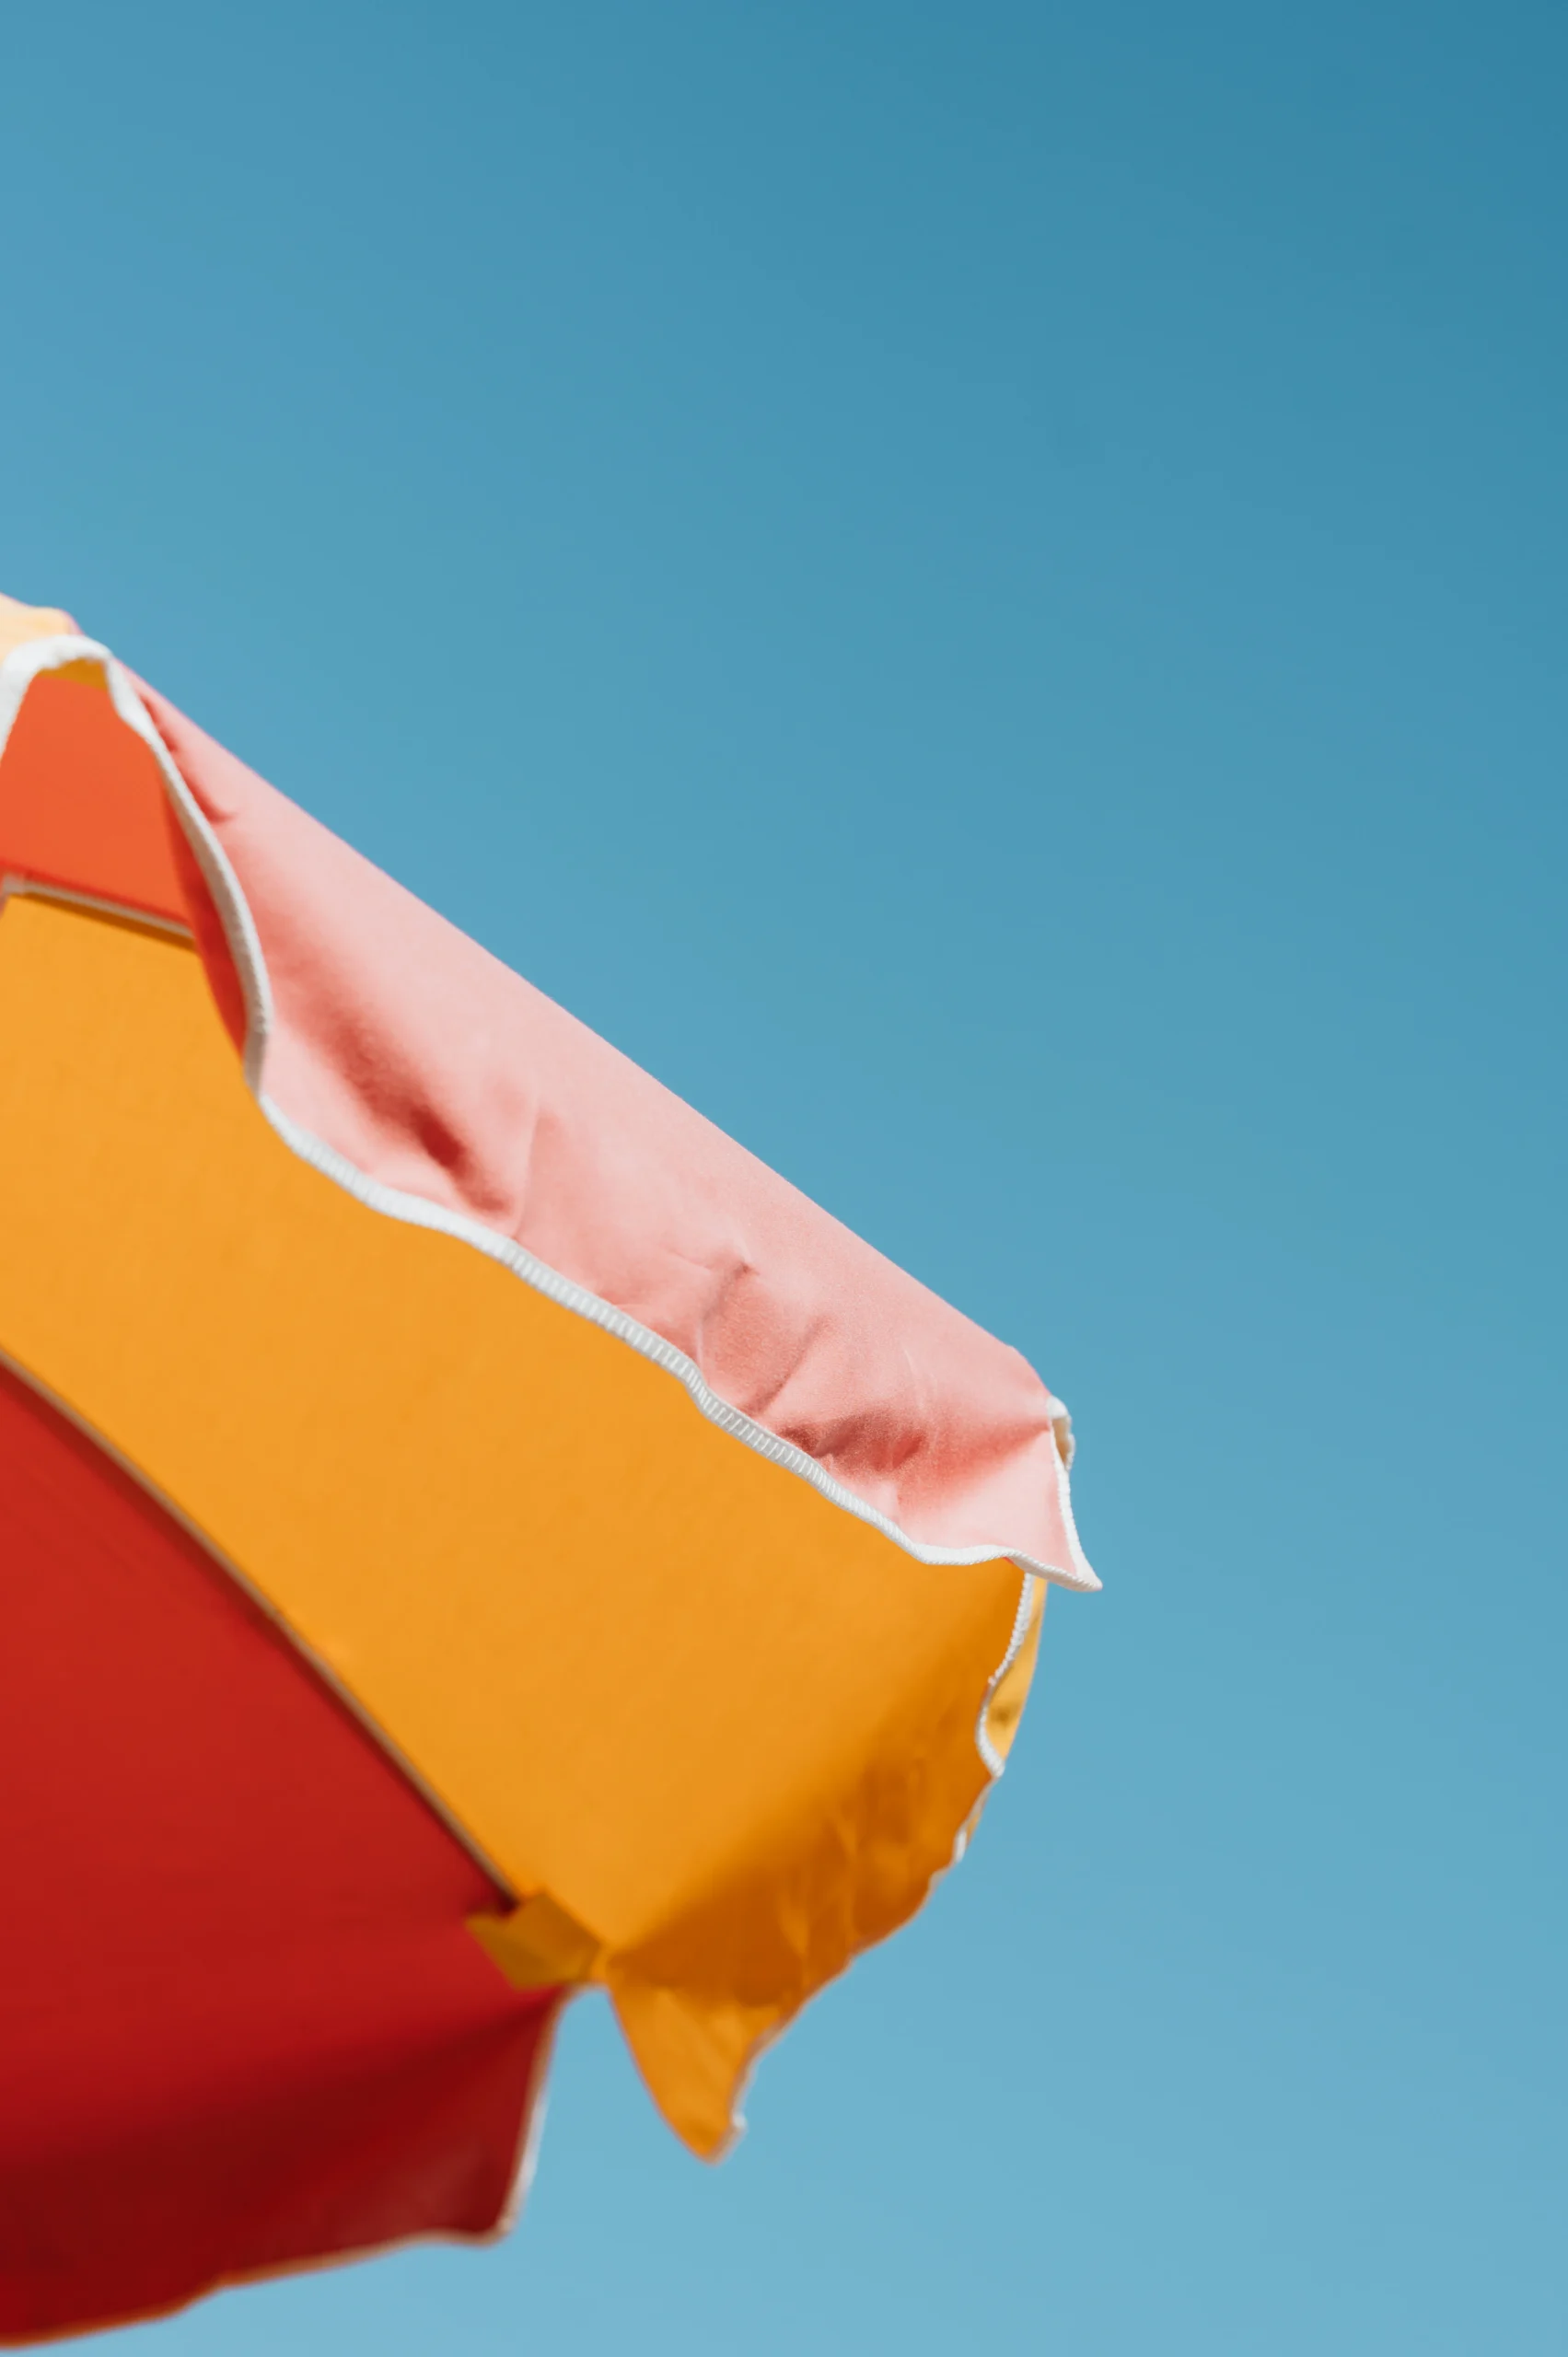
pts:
[468, 1531]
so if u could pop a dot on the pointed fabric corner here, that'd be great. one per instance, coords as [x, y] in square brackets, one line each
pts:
[677, 1559]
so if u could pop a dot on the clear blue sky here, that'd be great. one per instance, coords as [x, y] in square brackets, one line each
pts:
[982, 587]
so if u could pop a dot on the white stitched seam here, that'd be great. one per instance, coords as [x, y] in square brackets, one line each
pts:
[31, 887]
[1023, 1622]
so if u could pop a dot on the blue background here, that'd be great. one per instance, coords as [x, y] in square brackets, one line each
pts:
[983, 589]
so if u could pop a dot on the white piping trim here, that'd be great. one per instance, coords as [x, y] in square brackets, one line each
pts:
[1023, 1622]
[1087, 1579]
[25, 887]
[234, 911]
[535, 2106]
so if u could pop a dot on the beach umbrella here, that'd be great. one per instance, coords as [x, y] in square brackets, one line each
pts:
[467, 1532]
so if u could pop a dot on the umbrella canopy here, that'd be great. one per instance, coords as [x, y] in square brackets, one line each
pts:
[471, 1531]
